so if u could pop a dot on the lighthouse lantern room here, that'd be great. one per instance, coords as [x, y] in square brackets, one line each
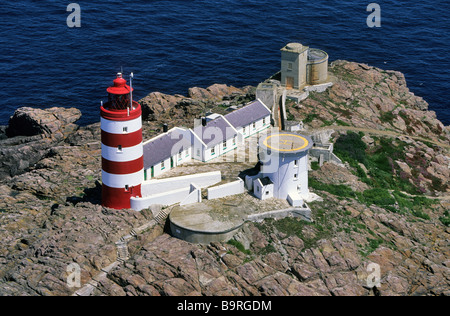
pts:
[122, 149]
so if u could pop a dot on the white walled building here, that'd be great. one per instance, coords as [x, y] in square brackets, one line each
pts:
[284, 161]
[167, 151]
[250, 119]
[214, 139]
[263, 188]
[216, 136]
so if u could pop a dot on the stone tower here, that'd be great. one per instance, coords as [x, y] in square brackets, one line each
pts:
[294, 58]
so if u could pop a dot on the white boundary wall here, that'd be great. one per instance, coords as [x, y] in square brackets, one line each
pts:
[202, 180]
[194, 197]
[225, 190]
[165, 199]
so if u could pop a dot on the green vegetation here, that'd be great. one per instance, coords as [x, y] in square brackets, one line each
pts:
[310, 117]
[268, 249]
[377, 196]
[239, 246]
[342, 191]
[445, 219]
[342, 123]
[327, 123]
[387, 117]
[380, 161]
[396, 201]
[315, 165]
[373, 245]
[290, 116]
[295, 227]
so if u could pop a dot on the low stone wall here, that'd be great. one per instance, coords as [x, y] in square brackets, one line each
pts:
[303, 213]
[326, 151]
[225, 190]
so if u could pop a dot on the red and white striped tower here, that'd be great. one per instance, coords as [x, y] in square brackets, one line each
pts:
[122, 150]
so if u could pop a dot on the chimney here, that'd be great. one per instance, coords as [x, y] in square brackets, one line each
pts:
[165, 128]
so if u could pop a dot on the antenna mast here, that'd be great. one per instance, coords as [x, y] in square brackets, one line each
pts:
[131, 91]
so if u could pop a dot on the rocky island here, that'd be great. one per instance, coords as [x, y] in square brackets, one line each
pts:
[386, 204]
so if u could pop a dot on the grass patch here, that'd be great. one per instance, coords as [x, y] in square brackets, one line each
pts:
[268, 249]
[445, 219]
[373, 245]
[379, 197]
[315, 165]
[387, 117]
[239, 246]
[342, 123]
[310, 117]
[421, 214]
[327, 123]
[290, 116]
[340, 190]
[379, 161]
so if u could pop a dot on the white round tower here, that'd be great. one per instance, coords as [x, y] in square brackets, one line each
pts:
[284, 160]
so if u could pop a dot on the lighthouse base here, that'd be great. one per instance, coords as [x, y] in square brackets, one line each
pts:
[119, 199]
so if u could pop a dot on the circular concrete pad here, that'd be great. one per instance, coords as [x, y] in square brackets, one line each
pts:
[202, 223]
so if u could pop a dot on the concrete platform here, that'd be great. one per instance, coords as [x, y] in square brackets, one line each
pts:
[202, 223]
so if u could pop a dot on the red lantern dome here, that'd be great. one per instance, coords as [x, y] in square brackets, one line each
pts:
[120, 86]
[119, 95]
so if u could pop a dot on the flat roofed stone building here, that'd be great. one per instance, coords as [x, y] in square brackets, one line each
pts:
[302, 66]
[294, 57]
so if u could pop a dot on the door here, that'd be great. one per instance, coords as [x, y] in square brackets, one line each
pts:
[289, 83]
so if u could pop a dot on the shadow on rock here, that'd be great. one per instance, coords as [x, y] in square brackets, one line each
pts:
[91, 195]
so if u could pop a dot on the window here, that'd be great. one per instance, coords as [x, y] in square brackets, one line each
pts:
[267, 193]
[295, 176]
[290, 66]
[119, 149]
[225, 145]
[180, 155]
[296, 162]
[257, 189]
[264, 121]
[198, 152]
[234, 140]
[127, 188]
[243, 130]
[125, 129]
[163, 165]
[213, 151]
[254, 125]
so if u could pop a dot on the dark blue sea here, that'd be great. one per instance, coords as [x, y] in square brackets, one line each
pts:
[172, 45]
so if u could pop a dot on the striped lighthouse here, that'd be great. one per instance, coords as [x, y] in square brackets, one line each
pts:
[122, 150]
